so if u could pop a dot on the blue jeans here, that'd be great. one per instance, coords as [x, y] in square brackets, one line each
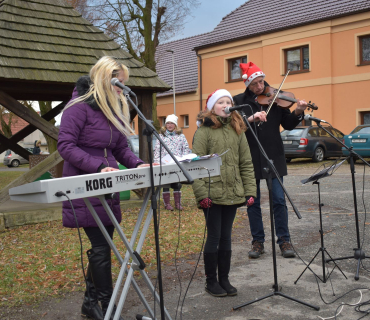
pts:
[280, 214]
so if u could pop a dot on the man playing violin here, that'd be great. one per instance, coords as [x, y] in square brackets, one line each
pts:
[269, 136]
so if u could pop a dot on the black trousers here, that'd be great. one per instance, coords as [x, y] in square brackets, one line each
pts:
[96, 237]
[219, 221]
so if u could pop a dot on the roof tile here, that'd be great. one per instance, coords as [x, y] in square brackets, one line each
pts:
[47, 40]
[257, 17]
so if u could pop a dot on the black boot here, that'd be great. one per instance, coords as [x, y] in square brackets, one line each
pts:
[224, 259]
[90, 307]
[101, 270]
[210, 268]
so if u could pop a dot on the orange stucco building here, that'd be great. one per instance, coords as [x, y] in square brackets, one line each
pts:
[335, 61]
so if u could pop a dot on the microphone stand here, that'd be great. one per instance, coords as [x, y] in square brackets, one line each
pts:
[359, 254]
[269, 186]
[148, 131]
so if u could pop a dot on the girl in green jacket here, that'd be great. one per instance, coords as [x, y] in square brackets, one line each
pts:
[220, 196]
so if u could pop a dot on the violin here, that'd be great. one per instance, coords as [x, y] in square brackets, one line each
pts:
[284, 99]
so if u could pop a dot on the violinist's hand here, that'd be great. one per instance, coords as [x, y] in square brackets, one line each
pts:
[301, 106]
[258, 116]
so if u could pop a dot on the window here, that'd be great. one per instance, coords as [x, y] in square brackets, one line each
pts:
[323, 133]
[361, 130]
[312, 132]
[365, 49]
[365, 117]
[162, 121]
[337, 133]
[297, 59]
[297, 132]
[186, 121]
[235, 74]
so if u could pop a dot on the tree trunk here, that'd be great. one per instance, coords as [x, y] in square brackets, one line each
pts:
[156, 123]
[45, 107]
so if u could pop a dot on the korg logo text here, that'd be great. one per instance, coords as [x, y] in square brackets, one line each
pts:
[97, 184]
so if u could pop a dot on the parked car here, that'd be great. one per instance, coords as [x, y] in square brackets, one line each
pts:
[12, 159]
[311, 142]
[133, 143]
[359, 140]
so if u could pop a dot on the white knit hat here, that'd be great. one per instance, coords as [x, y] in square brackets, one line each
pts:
[214, 96]
[172, 118]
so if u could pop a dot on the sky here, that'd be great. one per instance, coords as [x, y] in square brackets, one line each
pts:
[207, 16]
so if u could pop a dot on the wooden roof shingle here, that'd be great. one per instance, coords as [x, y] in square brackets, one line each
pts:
[46, 43]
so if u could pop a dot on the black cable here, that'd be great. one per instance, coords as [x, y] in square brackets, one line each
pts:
[159, 218]
[177, 247]
[201, 249]
[59, 194]
[364, 225]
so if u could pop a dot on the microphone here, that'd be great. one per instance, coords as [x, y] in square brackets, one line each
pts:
[126, 89]
[228, 110]
[308, 117]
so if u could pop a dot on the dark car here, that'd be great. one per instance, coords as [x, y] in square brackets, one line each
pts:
[133, 143]
[311, 142]
[359, 140]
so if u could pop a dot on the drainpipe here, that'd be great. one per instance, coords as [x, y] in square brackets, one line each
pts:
[200, 82]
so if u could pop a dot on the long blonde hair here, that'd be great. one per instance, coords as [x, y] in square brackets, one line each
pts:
[104, 94]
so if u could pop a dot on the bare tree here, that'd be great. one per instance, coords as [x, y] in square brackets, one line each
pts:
[6, 120]
[140, 25]
[84, 7]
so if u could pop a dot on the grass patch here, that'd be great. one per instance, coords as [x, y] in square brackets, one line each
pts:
[8, 176]
[43, 260]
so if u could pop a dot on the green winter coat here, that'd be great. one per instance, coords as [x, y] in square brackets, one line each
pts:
[236, 181]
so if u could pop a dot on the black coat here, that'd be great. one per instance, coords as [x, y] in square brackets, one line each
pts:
[36, 149]
[268, 134]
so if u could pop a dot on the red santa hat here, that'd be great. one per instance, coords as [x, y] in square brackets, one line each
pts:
[214, 96]
[250, 72]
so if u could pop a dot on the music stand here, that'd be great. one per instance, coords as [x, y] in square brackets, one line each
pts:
[326, 172]
[359, 254]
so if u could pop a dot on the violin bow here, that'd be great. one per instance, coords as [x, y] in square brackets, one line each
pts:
[276, 94]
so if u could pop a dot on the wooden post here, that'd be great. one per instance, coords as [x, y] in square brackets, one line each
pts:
[146, 109]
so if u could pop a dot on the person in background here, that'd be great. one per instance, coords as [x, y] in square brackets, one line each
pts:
[92, 138]
[175, 140]
[270, 139]
[220, 196]
[36, 149]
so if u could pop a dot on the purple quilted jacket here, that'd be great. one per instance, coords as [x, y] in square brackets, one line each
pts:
[84, 134]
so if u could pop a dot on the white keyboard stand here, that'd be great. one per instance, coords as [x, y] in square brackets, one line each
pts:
[77, 187]
[129, 255]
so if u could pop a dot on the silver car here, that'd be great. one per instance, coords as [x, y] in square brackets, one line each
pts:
[11, 159]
